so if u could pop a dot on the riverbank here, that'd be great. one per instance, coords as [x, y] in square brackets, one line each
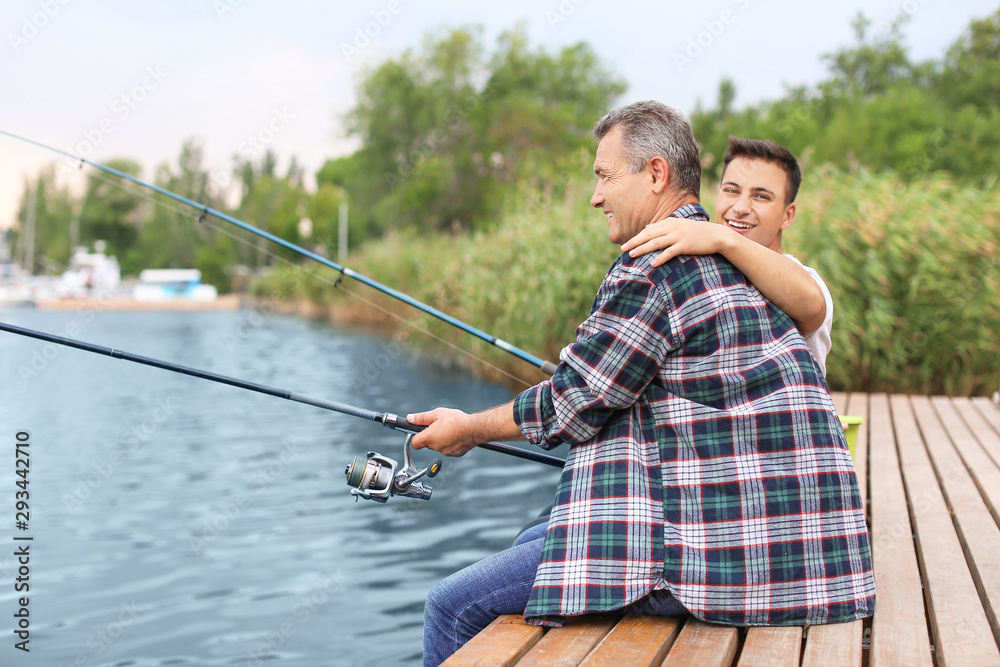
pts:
[222, 302]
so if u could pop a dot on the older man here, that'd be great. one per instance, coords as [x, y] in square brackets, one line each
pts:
[707, 473]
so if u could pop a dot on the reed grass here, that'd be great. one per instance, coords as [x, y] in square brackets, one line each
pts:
[915, 278]
[912, 267]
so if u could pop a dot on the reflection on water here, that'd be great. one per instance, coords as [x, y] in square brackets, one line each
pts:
[178, 521]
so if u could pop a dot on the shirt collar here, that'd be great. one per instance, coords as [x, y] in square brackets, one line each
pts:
[690, 211]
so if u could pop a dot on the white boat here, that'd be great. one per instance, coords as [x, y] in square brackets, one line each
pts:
[172, 284]
[89, 274]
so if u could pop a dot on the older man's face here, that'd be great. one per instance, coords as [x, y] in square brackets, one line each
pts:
[625, 198]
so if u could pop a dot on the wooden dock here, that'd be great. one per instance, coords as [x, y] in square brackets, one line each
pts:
[929, 469]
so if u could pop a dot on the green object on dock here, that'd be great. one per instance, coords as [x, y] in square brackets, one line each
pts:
[850, 426]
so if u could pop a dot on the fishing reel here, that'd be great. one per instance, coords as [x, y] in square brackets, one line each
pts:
[376, 477]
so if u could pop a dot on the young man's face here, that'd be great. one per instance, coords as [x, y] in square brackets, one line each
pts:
[625, 198]
[752, 201]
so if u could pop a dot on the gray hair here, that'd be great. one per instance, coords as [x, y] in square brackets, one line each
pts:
[651, 129]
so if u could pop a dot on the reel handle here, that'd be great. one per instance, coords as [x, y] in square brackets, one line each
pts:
[403, 484]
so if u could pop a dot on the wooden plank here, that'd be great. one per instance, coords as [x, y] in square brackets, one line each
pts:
[899, 628]
[772, 647]
[501, 643]
[636, 640]
[947, 436]
[569, 645]
[703, 644]
[839, 402]
[984, 469]
[962, 636]
[991, 413]
[857, 406]
[835, 645]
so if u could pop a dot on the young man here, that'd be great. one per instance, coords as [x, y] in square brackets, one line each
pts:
[756, 202]
[707, 473]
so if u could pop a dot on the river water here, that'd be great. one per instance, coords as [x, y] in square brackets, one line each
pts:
[180, 522]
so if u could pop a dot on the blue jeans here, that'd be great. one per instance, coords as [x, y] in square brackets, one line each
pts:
[469, 600]
[535, 532]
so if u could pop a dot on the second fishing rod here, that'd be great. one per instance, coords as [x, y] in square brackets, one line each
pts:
[546, 366]
[374, 477]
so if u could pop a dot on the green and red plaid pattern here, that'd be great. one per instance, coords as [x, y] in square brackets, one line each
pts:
[706, 458]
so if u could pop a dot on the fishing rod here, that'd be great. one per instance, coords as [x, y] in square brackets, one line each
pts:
[375, 477]
[546, 366]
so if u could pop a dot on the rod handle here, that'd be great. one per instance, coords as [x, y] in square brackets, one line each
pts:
[400, 423]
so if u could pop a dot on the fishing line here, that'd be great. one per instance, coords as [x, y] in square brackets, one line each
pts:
[186, 213]
[545, 366]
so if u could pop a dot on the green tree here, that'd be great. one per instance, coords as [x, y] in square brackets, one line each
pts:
[969, 85]
[324, 212]
[215, 260]
[873, 65]
[410, 109]
[539, 113]
[970, 74]
[55, 211]
[112, 210]
[881, 110]
[270, 202]
[171, 235]
[446, 129]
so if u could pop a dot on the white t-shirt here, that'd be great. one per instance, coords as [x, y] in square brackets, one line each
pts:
[819, 341]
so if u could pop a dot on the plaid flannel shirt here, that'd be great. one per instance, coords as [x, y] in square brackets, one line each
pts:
[706, 458]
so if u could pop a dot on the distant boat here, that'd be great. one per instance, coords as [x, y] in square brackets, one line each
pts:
[89, 274]
[172, 284]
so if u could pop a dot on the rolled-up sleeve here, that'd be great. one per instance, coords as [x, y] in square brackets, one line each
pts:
[619, 350]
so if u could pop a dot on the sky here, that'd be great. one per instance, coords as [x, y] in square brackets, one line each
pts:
[112, 78]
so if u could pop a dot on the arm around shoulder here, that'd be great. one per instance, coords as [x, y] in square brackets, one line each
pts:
[780, 279]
